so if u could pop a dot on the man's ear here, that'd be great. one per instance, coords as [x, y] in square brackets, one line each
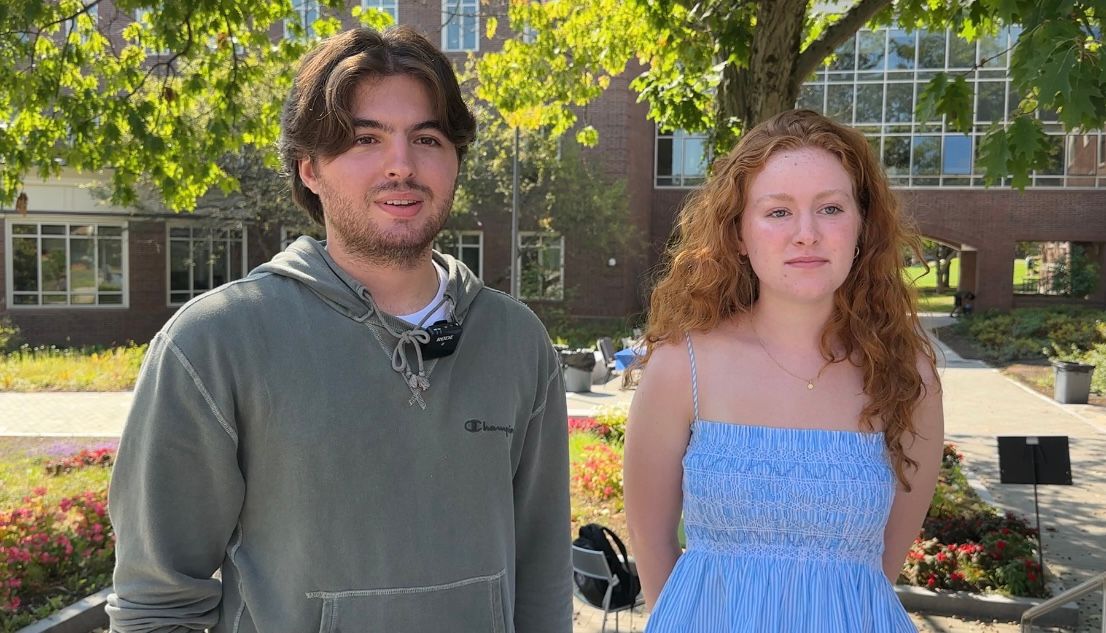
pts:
[307, 169]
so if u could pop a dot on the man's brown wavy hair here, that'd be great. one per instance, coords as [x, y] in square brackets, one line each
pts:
[705, 280]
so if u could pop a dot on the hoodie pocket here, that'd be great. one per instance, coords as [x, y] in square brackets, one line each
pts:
[472, 604]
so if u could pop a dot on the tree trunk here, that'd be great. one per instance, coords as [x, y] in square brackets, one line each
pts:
[748, 95]
[944, 264]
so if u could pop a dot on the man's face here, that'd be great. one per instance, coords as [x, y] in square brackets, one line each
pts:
[386, 197]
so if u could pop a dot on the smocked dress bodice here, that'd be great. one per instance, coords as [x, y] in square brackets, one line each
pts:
[784, 533]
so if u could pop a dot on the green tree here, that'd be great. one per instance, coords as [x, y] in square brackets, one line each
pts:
[724, 65]
[561, 190]
[150, 90]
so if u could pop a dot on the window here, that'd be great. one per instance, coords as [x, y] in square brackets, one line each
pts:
[467, 246]
[460, 25]
[307, 11]
[541, 265]
[202, 258]
[681, 159]
[66, 264]
[385, 6]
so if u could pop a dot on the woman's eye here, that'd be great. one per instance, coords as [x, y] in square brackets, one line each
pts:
[777, 213]
[833, 210]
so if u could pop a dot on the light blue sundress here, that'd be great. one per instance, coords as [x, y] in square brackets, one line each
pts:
[784, 533]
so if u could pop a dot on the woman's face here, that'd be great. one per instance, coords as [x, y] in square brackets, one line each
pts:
[800, 225]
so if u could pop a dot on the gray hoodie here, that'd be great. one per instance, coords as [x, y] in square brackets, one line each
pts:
[277, 473]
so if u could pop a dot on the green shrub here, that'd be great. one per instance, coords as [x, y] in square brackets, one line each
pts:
[613, 420]
[1034, 333]
[9, 334]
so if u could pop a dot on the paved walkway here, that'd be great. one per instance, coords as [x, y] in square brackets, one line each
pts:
[980, 404]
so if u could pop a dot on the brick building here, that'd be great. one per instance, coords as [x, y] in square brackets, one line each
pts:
[76, 271]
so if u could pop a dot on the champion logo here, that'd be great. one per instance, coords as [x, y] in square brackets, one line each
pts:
[477, 426]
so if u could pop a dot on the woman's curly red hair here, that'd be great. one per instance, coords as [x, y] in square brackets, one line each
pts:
[704, 280]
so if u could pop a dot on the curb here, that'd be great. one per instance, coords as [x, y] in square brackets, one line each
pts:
[80, 617]
[982, 606]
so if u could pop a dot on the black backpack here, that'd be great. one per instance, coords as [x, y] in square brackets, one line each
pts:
[594, 537]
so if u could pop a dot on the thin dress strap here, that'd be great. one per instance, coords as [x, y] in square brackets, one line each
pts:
[694, 377]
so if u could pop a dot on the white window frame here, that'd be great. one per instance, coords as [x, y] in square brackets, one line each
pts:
[193, 293]
[459, 246]
[453, 11]
[9, 262]
[679, 139]
[379, 5]
[301, 8]
[544, 235]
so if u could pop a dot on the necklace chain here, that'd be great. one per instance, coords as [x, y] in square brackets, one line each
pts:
[810, 382]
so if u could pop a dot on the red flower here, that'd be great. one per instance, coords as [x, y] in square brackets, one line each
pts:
[931, 582]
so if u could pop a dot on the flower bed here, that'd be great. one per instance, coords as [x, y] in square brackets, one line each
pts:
[54, 548]
[967, 545]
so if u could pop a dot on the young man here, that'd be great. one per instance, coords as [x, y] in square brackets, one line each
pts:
[306, 452]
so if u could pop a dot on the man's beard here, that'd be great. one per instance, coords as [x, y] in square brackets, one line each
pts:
[402, 246]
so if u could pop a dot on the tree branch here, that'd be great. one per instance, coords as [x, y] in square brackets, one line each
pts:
[835, 35]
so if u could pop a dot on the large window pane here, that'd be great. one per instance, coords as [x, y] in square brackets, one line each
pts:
[25, 264]
[839, 103]
[811, 97]
[958, 155]
[664, 162]
[927, 155]
[931, 49]
[900, 103]
[845, 56]
[541, 266]
[992, 96]
[82, 267]
[110, 267]
[460, 22]
[869, 103]
[53, 264]
[961, 52]
[870, 51]
[992, 49]
[896, 154]
[900, 50]
[180, 266]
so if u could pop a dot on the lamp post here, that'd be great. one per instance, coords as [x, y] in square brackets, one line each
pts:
[514, 221]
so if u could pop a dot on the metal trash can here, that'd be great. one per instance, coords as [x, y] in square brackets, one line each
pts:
[577, 367]
[1073, 382]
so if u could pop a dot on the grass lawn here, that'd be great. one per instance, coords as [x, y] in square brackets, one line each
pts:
[53, 369]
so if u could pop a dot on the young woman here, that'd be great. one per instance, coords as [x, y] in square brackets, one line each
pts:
[789, 404]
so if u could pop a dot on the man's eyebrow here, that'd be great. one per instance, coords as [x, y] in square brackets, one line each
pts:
[377, 125]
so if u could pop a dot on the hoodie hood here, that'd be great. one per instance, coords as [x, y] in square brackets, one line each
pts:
[307, 261]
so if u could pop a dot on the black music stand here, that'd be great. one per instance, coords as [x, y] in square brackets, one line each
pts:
[1037, 460]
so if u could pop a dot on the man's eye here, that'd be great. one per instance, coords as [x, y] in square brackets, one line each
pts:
[428, 140]
[363, 140]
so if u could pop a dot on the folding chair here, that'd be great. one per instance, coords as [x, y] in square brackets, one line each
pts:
[606, 348]
[593, 564]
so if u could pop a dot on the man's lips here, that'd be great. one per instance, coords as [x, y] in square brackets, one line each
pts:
[400, 205]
